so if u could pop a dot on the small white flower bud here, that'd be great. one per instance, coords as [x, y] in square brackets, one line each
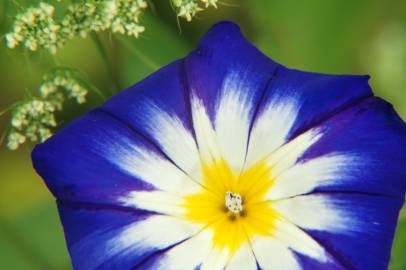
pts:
[12, 42]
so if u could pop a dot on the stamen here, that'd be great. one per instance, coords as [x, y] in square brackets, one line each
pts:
[233, 202]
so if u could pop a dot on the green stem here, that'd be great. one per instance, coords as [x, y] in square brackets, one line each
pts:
[105, 58]
[134, 50]
[228, 4]
[4, 20]
[97, 91]
[12, 106]
[152, 7]
[3, 136]
[29, 70]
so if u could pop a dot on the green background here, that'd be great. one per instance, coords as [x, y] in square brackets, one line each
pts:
[361, 37]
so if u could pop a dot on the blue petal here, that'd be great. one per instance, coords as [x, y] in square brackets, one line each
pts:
[319, 96]
[84, 162]
[227, 77]
[374, 134]
[309, 263]
[223, 58]
[221, 52]
[158, 107]
[367, 242]
[88, 228]
[110, 238]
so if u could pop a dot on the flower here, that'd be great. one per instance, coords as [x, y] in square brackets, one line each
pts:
[34, 117]
[186, 8]
[37, 27]
[189, 8]
[227, 159]
[126, 21]
[31, 119]
[62, 83]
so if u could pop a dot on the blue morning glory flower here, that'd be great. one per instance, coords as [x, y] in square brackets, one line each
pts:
[228, 160]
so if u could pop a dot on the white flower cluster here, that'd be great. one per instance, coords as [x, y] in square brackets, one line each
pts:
[208, 3]
[82, 18]
[32, 121]
[37, 27]
[189, 8]
[63, 83]
[126, 20]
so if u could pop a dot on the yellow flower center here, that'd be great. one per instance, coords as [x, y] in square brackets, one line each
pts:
[232, 205]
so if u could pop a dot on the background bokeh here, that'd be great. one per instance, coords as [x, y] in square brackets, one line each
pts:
[361, 37]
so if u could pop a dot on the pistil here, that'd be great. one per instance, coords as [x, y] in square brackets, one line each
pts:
[233, 202]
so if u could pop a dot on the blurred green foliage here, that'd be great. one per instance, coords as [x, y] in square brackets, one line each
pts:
[362, 37]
